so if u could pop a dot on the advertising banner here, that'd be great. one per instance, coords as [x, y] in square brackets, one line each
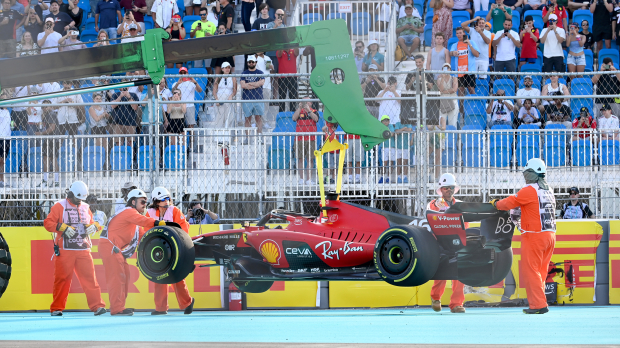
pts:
[614, 262]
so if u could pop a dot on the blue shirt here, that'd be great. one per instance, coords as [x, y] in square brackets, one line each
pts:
[256, 93]
[471, 59]
[378, 57]
[108, 18]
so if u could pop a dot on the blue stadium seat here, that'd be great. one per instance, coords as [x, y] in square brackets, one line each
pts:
[581, 153]
[197, 71]
[35, 160]
[449, 155]
[121, 158]
[310, 18]
[577, 103]
[282, 142]
[582, 15]
[528, 143]
[428, 17]
[539, 58]
[475, 113]
[67, 159]
[608, 52]
[360, 22]
[279, 159]
[419, 7]
[90, 24]
[288, 114]
[144, 158]
[481, 13]
[516, 21]
[174, 157]
[610, 152]
[428, 35]
[85, 5]
[148, 22]
[537, 16]
[482, 87]
[500, 146]
[589, 60]
[531, 68]
[508, 85]
[88, 35]
[13, 162]
[93, 158]
[181, 6]
[337, 15]
[472, 146]
[459, 17]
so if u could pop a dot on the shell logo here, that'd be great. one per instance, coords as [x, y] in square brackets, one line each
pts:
[270, 251]
[435, 217]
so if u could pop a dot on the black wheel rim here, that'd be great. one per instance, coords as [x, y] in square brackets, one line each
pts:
[396, 255]
[158, 255]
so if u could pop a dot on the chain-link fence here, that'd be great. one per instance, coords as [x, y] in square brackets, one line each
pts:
[207, 144]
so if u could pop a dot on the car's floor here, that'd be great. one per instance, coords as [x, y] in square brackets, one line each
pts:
[583, 325]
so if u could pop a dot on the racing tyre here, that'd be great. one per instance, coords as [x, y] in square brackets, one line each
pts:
[5, 265]
[254, 286]
[166, 255]
[490, 274]
[406, 256]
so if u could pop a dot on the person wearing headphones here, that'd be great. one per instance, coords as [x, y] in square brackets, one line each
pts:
[72, 223]
[161, 208]
[446, 190]
[537, 204]
[118, 243]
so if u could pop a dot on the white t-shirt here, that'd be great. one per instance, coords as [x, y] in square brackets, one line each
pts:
[20, 92]
[261, 65]
[5, 124]
[552, 47]
[531, 93]
[119, 205]
[383, 13]
[132, 39]
[50, 41]
[523, 115]
[390, 107]
[47, 87]
[608, 123]
[187, 88]
[34, 113]
[506, 48]
[166, 94]
[499, 112]
[483, 46]
[68, 114]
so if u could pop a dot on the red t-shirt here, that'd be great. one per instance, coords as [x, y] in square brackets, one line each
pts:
[126, 4]
[287, 62]
[584, 135]
[528, 47]
[305, 124]
[559, 11]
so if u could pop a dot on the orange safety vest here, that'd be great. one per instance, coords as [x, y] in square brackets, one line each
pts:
[537, 208]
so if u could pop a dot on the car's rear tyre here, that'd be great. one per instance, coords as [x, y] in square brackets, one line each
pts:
[406, 256]
[253, 286]
[5, 265]
[488, 275]
[166, 255]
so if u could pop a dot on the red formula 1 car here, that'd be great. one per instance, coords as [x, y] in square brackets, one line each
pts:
[347, 242]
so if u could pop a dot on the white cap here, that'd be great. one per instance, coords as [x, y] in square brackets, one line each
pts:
[225, 64]
[553, 16]
[373, 41]
[373, 66]
[251, 58]
[49, 19]
[447, 179]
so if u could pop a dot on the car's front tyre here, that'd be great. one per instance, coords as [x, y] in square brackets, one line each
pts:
[166, 255]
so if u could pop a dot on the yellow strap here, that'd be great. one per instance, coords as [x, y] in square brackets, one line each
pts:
[329, 146]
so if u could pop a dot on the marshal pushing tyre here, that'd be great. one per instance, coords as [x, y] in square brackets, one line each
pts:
[5, 265]
[166, 255]
[406, 256]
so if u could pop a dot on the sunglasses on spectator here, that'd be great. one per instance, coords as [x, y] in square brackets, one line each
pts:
[142, 201]
[203, 14]
[183, 73]
[552, 21]
[359, 46]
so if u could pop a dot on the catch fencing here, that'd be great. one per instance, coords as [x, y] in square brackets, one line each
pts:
[242, 173]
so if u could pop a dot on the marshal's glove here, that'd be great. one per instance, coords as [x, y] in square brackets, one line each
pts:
[66, 230]
[91, 229]
[494, 202]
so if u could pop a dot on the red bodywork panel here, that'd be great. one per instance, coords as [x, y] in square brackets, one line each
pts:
[447, 224]
[335, 237]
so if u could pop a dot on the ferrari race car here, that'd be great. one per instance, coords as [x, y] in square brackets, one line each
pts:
[346, 242]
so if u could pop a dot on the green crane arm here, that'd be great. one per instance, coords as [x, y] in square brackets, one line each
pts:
[334, 80]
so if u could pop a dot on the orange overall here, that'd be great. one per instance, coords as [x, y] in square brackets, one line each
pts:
[74, 255]
[173, 214]
[537, 238]
[124, 233]
[458, 295]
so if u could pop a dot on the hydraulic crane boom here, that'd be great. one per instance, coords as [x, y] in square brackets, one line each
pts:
[334, 80]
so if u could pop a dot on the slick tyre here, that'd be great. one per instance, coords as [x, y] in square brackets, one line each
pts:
[254, 286]
[166, 255]
[5, 265]
[406, 256]
[490, 274]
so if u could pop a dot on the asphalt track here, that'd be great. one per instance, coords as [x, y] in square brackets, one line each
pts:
[574, 325]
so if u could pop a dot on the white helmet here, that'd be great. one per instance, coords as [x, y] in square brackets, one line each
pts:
[135, 193]
[447, 179]
[79, 190]
[159, 193]
[537, 165]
